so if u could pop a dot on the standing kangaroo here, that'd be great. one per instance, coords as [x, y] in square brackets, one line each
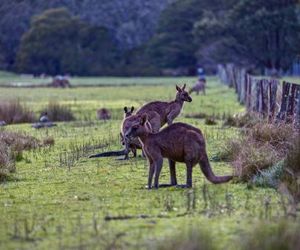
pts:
[198, 87]
[159, 113]
[178, 142]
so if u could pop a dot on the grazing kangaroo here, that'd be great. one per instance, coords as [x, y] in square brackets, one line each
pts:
[178, 142]
[198, 87]
[159, 113]
[103, 114]
[134, 144]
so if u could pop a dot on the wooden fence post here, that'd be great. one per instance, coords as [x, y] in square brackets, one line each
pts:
[273, 85]
[291, 103]
[297, 114]
[256, 107]
[264, 97]
[281, 116]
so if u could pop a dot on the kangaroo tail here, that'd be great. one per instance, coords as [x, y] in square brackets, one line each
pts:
[207, 171]
[109, 153]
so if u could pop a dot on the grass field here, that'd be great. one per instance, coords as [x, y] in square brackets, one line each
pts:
[60, 199]
[10, 79]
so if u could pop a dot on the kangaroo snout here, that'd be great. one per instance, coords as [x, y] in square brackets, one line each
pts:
[189, 99]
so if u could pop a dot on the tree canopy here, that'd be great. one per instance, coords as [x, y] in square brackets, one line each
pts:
[58, 43]
[136, 37]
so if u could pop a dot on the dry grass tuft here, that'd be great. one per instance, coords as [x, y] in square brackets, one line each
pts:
[11, 147]
[261, 147]
[7, 164]
[291, 166]
[57, 112]
[15, 112]
[246, 120]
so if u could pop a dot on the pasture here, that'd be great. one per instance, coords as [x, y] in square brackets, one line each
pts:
[60, 199]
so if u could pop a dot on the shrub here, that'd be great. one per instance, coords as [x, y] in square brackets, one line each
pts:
[14, 112]
[269, 177]
[57, 112]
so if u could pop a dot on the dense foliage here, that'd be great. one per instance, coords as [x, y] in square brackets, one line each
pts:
[59, 43]
[136, 37]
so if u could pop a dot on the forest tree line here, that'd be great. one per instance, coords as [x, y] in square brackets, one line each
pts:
[136, 37]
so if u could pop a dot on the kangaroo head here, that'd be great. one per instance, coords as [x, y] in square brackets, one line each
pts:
[140, 127]
[182, 95]
[128, 112]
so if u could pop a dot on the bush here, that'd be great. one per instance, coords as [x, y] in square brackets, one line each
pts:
[14, 112]
[269, 177]
[57, 112]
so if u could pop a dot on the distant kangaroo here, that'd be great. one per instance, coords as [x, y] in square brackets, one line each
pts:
[159, 113]
[103, 114]
[178, 142]
[198, 87]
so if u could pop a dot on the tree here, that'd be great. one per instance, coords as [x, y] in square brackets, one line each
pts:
[262, 33]
[59, 43]
[174, 44]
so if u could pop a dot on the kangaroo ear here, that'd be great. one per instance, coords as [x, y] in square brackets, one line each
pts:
[144, 118]
[132, 108]
[125, 109]
[178, 88]
[184, 85]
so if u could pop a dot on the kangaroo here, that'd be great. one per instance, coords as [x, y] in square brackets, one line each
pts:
[178, 142]
[159, 113]
[127, 112]
[167, 111]
[198, 87]
[133, 145]
[103, 114]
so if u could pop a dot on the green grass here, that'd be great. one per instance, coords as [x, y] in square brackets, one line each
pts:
[11, 79]
[59, 199]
